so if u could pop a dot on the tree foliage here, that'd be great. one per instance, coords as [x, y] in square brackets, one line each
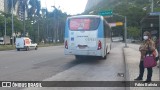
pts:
[135, 10]
[18, 26]
[133, 32]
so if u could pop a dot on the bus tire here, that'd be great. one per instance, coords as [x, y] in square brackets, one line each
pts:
[105, 57]
[110, 49]
[107, 50]
[18, 49]
[77, 57]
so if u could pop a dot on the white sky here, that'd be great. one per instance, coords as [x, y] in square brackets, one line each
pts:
[69, 6]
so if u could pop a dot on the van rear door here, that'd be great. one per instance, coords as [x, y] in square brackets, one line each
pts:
[19, 43]
[83, 33]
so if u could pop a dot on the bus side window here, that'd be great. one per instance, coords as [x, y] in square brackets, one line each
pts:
[105, 29]
[108, 31]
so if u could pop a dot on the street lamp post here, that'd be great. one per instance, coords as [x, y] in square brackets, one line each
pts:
[38, 32]
[5, 26]
[12, 26]
[152, 6]
[5, 31]
[55, 28]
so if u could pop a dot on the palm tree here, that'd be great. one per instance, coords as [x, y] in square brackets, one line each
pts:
[35, 8]
[10, 4]
[24, 6]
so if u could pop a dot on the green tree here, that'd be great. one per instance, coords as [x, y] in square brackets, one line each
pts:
[133, 32]
[53, 25]
[18, 27]
[34, 10]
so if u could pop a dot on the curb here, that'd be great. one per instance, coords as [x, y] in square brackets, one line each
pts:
[127, 77]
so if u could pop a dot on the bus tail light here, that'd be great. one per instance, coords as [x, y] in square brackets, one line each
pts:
[99, 45]
[66, 44]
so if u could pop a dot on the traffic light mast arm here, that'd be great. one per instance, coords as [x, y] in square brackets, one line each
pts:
[116, 14]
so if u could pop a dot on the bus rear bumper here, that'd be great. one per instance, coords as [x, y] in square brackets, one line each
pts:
[83, 52]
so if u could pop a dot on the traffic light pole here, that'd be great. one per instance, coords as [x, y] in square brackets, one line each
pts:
[125, 28]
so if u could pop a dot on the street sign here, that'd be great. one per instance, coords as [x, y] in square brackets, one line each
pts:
[119, 23]
[106, 13]
[154, 13]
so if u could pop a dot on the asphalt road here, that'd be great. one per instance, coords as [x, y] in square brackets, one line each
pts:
[50, 64]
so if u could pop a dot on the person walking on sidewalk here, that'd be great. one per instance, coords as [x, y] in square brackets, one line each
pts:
[143, 49]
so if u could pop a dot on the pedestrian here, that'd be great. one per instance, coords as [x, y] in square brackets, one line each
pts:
[158, 46]
[148, 44]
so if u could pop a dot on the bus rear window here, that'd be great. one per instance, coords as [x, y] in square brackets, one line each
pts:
[84, 23]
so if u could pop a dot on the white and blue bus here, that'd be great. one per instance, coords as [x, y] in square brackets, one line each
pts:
[87, 35]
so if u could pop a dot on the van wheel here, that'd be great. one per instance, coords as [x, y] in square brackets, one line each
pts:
[27, 48]
[36, 48]
[18, 49]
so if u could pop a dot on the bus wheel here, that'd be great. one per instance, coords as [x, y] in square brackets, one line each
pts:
[77, 57]
[18, 49]
[110, 49]
[105, 57]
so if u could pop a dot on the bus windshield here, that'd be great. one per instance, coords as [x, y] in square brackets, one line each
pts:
[84, 24]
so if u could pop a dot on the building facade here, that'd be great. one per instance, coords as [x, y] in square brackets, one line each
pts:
[4, 5]
[19, 10]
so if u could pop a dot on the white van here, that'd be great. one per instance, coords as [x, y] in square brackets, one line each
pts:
[25, 43]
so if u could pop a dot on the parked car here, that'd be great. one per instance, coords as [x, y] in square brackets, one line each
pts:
[5, 40]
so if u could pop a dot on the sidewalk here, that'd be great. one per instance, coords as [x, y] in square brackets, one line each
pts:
[132, 59]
